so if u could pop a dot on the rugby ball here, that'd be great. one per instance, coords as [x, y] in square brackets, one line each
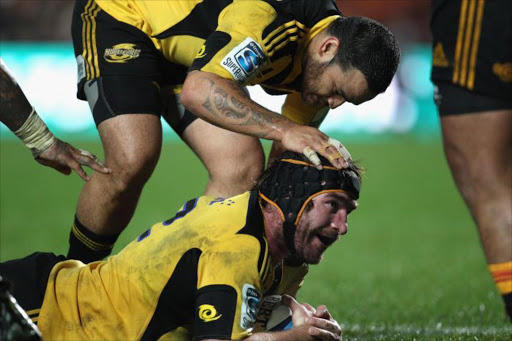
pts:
[272, 315]
[280, 319]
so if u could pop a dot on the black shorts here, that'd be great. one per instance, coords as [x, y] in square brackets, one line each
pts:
[472, 50]
[28, 277]
[120, 71]
[454, 100]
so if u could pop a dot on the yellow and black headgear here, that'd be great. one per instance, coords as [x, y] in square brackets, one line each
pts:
[292, 182]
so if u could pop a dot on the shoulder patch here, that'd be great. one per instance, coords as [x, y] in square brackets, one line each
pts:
[250, 306]
[243, 61]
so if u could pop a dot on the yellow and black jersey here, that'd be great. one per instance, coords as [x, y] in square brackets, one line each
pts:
[472, 46]
[201, 274]
[250, 42]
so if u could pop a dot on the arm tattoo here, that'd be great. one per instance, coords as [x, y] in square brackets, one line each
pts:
[222, 105]
[14, 106]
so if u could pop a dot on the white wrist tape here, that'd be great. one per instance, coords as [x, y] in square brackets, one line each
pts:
[35, 134]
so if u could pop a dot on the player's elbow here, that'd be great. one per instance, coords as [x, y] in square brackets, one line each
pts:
[193, 90]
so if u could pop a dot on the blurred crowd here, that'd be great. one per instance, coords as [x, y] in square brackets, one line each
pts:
[50, 20]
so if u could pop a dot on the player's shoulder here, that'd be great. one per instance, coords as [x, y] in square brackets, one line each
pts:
[308, 12]
[229, 215]
[242, 227]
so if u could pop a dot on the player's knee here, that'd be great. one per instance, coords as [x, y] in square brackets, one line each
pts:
[481, 185]
[242, 173]
[132, 168]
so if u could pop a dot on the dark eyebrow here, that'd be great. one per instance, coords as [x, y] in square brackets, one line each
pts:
[350, 203]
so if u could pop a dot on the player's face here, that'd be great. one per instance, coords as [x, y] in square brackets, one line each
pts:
[321, 225]
[327, 84]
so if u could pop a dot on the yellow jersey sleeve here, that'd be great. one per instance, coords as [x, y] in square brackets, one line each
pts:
[299, 112]
[228, 289]
[236, 50]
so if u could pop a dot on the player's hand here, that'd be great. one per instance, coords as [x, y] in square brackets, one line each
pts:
[320, 323]
[311, 142]
[64, 158]
[323, 325]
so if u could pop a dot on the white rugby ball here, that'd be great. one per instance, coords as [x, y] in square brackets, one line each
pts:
[280, 319]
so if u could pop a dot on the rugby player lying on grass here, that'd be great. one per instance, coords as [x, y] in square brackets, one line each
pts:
[204, 273]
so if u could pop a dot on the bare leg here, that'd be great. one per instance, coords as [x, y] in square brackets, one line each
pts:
[234, 161]
[132, 145]
[478, 148]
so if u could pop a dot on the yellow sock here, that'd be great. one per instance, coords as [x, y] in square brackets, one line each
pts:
[502, 274]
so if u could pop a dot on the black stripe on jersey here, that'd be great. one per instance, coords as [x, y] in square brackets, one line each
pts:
[289, 28]
[278, 275]
[176, 303]
[215, 312]
[200, 22]
[189, 206]
[212, 45]
[307, 12]
[281, 76]
[292, 36]
[255, 227]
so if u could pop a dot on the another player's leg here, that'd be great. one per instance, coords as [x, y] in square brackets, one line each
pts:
[234, 161]
[125, 103]
[132, 145]
[478, 147]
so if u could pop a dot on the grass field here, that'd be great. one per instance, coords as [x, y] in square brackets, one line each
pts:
[410, 268]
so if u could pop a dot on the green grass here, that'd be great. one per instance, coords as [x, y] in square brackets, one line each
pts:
[410, 268]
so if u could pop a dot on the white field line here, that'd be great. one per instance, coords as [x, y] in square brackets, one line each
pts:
[430, 330]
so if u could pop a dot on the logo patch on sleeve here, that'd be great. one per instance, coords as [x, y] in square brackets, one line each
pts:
[244, 60]
[208, 313]
[250, 306]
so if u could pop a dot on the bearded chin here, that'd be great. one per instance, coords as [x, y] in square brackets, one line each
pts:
[311, 74]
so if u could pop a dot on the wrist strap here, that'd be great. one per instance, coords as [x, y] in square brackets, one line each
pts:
[35, 134]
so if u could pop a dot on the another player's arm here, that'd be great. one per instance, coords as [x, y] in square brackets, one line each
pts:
[295, 109]
[17, 114]
[14, 108]
[223, 103]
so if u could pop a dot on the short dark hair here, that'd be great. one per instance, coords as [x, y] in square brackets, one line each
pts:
[368, 46]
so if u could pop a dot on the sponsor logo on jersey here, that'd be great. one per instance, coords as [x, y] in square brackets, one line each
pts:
[503, 71]
[267, 306]
[121, 53]
[208, 313]
[202, 52]
[243, 61]
[439, 57]
[250, 305]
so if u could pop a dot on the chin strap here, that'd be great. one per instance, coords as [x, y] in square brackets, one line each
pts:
[289, 236]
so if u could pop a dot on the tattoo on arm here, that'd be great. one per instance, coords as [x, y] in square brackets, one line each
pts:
[14, 106]
[222, 105]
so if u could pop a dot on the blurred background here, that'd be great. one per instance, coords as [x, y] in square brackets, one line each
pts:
[411, 266]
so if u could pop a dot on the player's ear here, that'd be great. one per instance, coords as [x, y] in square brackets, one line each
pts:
[328, 48]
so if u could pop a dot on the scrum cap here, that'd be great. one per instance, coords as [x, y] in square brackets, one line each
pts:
[293, 182]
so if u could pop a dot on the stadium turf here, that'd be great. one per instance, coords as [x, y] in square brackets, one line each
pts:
[410, 268]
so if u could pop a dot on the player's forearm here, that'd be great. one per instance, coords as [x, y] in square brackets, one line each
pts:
[223, 103]
[14, 106]
[294, 334]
